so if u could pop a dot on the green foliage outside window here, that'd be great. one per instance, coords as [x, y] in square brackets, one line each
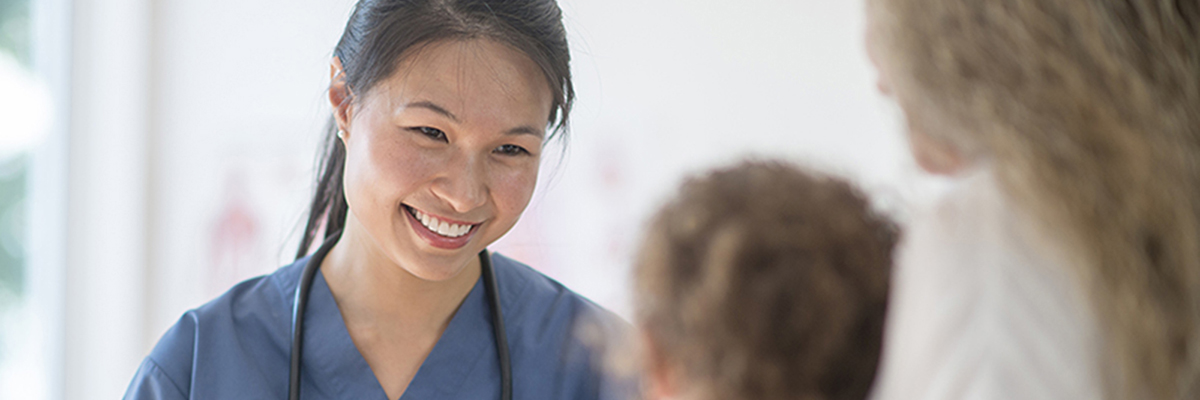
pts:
[15, 29]
[12, 228]
[15, 42]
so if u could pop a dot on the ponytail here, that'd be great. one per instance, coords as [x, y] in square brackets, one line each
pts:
[329, 201]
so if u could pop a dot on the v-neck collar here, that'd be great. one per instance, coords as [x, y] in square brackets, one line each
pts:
[335, 367]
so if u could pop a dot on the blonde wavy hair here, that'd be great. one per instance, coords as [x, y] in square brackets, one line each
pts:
[1089, 113]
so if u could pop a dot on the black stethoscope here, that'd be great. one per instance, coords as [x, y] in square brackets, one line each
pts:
[301, 301]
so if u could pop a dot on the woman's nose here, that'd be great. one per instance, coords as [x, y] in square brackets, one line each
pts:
[463, 184]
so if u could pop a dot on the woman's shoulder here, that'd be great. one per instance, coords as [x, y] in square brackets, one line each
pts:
[261, 300]
[524, 291]
[549, 324]
[256, 311]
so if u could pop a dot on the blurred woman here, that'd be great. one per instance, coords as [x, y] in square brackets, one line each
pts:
[1066, 264]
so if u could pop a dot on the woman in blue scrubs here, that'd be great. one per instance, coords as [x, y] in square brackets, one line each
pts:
[440, 113]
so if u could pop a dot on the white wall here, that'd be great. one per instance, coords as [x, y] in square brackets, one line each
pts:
[230, 106]
[665, 87]
[238, 110]
[672, 87]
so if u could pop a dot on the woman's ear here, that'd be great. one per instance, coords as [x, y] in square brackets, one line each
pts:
[925, 130]
[935, 156]
[661, 379]
[340, 96]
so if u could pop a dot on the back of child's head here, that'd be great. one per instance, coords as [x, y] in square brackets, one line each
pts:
[762, 281]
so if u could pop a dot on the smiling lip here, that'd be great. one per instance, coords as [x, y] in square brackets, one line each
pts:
[435, 239]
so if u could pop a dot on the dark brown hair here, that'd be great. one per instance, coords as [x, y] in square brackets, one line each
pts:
[764, 282]
[380, 32]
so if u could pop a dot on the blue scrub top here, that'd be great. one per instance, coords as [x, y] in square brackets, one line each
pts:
[238, 346]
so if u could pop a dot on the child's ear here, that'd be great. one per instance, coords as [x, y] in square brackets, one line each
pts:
[662, 380]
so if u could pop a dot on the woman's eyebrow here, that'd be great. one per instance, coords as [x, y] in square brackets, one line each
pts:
[526, 130]
[429, 105]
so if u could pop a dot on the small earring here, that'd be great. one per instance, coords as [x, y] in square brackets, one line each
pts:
[341, 134]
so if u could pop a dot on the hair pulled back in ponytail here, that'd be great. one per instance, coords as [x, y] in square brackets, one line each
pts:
[380, 32]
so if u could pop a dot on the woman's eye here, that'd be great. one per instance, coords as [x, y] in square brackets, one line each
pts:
[432, 133]
[511, 150]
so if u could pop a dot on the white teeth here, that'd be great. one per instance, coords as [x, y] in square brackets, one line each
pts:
[441, 227]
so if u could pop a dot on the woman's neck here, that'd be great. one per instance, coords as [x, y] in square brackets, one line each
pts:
[394, 317]
[374, 292]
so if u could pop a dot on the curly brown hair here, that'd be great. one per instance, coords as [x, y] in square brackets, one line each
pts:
[761, 281]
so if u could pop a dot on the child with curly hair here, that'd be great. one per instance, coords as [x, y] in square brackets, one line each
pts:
[762, 281]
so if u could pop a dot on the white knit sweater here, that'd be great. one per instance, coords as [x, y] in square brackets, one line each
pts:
[983, 307]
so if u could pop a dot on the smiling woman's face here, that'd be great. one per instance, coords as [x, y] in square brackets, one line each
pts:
[442, 157]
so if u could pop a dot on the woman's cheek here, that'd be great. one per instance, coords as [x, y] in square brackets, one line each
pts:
[359, 170]
[518, 183]
[401, 165]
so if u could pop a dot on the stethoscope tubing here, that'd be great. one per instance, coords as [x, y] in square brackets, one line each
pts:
[493, 292]
[300, 303]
